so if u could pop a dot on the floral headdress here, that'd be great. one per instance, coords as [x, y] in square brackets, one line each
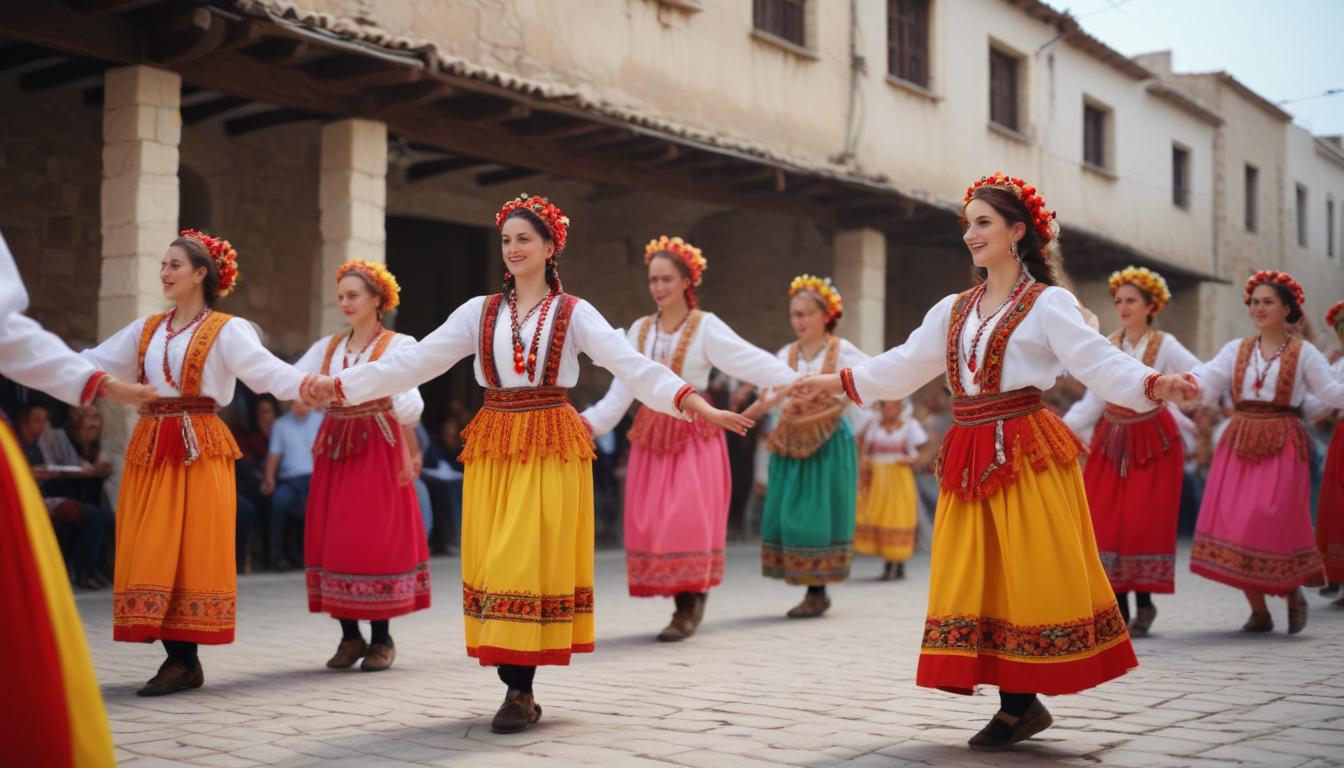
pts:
[557, 223]
[383, 282]
[1041, 218]
[222, 253]
[823, 287]
[690, 256]
[1145, 280]
[1332, 317]
[1280, 278]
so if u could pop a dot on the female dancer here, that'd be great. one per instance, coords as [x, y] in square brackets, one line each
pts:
[527, 528]
[176, 576]
[1254, 530]
[677, 481]
[1330, 507]
[1137, 460]
[52, 706]
[365, 551]
[807, 530]
[1018, 597]
[888, 504]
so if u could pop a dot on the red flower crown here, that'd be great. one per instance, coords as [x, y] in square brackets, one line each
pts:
[1332, 316]
[1281, 278]
[385, 284]
[689, 255]
[557, 223]
[224, 256]
[1041, 218]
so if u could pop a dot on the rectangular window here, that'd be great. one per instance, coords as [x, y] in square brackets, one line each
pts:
[1329, 227]
[1094, 135]
[782, 18]
[1252, 193]
[1003, 89]
[908, 40]
[1301, 216]
[1180, 176]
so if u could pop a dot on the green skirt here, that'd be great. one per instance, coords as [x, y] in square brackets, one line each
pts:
[807, 533]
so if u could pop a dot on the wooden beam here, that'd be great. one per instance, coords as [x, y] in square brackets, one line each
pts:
[605, 137]
[555, 127]
[404, 96]
[111, 7]
[71, 71]
[508, 174]
[479, 107]
[239, 75]
[351, 73]
[653, 155]
[429, 168]
[239, 126]
[185, 36]
[15, 55]
[56, 25]
[199, 113]
[278, 51]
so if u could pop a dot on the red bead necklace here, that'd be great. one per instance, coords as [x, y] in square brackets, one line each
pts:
[1261, 373]
[657, 331]
[345, 355]
[528, 363]
[170, 334]
[972, 353]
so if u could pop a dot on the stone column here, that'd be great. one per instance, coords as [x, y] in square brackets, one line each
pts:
[142, 128]
[353, 202]
[861, 276]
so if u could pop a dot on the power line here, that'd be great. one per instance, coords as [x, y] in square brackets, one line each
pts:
[1321, 95]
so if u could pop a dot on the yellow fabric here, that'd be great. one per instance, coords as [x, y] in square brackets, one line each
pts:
[887, 511]
[527, 540]
[91, 739]
[176, 576]
[1025, 557]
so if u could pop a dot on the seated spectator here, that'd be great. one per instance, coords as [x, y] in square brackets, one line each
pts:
[442, 474]
[289, 469]
[86, 524]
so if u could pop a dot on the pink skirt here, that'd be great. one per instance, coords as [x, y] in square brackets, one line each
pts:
[365, 551]
[1254, 530]
[677, 488]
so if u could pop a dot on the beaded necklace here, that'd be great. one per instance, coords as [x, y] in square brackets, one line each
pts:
[528, 364]
[657, 332]
[345, 354]
[973, 352]
[170, 334]
[1261, 373]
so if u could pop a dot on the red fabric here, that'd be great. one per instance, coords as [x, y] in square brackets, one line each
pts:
[490, 656]
[960, 674]
[34, 688]
[1134, 516]
[365, 549]
[1330, 508]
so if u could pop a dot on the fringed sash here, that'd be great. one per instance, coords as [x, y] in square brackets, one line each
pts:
[805, 425]
[346, 430]
[658, 432]
[1125, 436]
[1258, 429]
[181, 429]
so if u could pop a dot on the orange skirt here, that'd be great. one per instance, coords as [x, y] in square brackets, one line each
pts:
[176, 578]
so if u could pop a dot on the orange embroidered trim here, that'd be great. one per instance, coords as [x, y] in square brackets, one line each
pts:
[526, 607]
[983, 634]
[521, 423]
[174, 609]
[1283, 387]
[812, 566]
[489, 318]
[686, 391]
[518, 399]
[992, 372]
[559, 330]
[1259, 430]
[92, 387]
[847, 381]
[1149, 352]
[683, 344]
[161, 437]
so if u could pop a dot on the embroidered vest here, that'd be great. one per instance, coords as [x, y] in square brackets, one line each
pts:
[658, 432]
[805, 425]
[564, 310]
[1118, 413]
[345, 430]
[1259, 429]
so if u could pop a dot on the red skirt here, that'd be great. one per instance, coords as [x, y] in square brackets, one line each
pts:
[1330, 508]
[365, 552]
[1133, 479]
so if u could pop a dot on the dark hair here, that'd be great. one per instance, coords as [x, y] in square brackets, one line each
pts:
[1286, 296]
[264, 397]
[552, 270]
[1045, 263]
[682, 270]
[831, 322]
[199, 256]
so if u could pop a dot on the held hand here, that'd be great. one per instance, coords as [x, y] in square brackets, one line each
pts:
[808, 387]
[126, 393]
[417, 464]
[1179, 386]
[318, 391]
[732, 422]
[267, 487]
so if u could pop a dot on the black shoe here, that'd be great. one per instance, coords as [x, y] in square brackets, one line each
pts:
[518, 712]
[998, 735]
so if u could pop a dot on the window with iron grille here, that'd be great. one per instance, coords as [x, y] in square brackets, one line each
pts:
[1180, 176]
[908, 40]
[1252, 193]
[1094, 136]
[1301, 216]
[1003, 88]
[782, 18]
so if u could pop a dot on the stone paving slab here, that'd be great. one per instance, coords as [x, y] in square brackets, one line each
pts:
[751, 689]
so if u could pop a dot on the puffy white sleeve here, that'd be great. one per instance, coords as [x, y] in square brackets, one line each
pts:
[311, 362]
[1082, 416]
[413, 365]
[1320, 380]
[1090, 357]
[119, 354]
[39, 359]
[1173, 357]
[605, 414]
[1215, 376]
[1313, 409]
[915, 437]
[741, 359]
[898, 372]
[652, 383]
[246, 358]
[407, 405]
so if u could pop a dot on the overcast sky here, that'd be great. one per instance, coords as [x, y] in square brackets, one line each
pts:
[1281, 49]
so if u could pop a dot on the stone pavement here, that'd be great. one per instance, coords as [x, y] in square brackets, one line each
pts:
[752, 689]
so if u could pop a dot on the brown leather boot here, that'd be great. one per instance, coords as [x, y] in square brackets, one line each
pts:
[1259, 622]
[999, 735]
[379, 657]
[683, 622]
[811, 607]
[173, 676]
[348, 652]
[698, 611]
[1143, 621]
[518, 712]
[1297, 611]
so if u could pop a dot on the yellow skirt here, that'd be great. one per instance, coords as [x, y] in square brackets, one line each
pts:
[176, 578]
[887, 513]
[527, 534]
[1017, 594]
